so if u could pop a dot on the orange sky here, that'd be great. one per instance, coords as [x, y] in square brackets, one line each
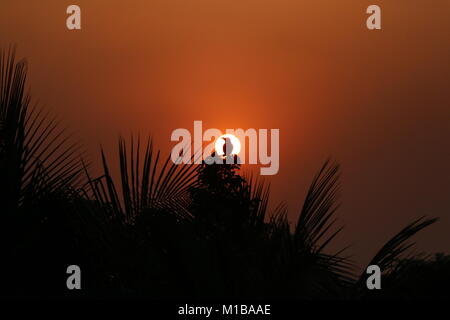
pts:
[376, 101]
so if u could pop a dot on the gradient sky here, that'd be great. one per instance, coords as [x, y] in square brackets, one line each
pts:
[377, 102]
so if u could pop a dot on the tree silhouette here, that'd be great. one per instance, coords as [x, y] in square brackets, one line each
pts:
[170, 230]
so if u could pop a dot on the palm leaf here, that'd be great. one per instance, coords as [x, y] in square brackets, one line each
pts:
[398, 246]
[35, 156]
[143, 185]
[316, 217]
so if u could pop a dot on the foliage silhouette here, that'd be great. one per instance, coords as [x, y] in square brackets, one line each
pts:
[417, 278]
[38, 167]
[166, 230]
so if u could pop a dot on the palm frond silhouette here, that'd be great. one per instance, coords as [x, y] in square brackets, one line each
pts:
[150, 184]
[165, 229]
[396, 249]
[36, 156]
[39, 168]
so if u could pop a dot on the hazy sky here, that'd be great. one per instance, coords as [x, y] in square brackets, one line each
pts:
[377, 102]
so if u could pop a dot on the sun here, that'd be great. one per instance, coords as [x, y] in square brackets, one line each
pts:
[232, 139]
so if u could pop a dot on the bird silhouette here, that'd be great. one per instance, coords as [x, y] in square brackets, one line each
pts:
[227, 147]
